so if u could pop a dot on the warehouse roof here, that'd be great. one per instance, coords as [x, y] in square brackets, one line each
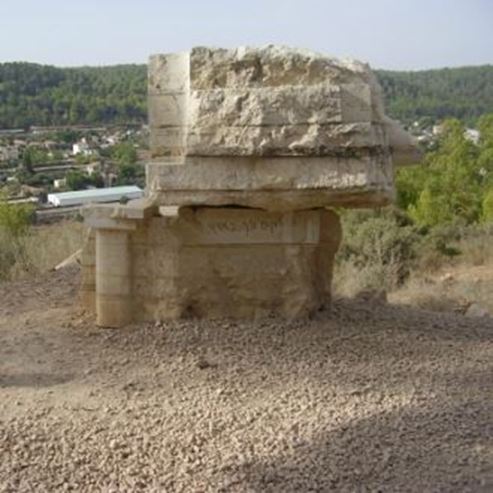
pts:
[96, 193]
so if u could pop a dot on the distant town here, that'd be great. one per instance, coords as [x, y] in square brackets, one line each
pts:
[39, 162]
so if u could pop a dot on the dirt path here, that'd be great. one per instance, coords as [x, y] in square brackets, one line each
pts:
[371, 397]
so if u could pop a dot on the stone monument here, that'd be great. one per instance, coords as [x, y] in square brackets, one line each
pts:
[250, 147]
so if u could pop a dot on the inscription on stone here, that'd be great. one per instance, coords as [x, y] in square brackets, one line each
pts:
[249, 227]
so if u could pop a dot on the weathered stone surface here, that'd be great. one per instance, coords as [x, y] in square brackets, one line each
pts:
[277, 106]
[211, 262]
[169, 74]
[270, 101]
[286, 140]
[276, 184]
[270, 66]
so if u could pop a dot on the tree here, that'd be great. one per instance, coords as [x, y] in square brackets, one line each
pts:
[76, 180]
[125, 153]
[27, 160]
[450, 184]
[130, 174]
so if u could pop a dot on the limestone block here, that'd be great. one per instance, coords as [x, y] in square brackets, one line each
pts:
[106, 216]
[270, 102]
[270, 66]
[214, 262]
[275, 184]
[167, 141]
[169, 73]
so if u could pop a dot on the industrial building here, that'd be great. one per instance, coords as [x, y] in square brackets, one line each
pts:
[82, 197]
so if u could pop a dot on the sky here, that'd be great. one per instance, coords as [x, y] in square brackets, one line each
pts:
[391, 34]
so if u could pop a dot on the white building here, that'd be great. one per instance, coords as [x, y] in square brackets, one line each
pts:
[95, 195]
[472, 135]
[60, 183]
[81, 147]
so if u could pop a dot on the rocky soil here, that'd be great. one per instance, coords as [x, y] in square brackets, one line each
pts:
[370, 397]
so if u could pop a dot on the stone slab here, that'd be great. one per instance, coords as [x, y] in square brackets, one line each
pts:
[273, 184]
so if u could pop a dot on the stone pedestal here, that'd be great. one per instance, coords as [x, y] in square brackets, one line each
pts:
[213, 263]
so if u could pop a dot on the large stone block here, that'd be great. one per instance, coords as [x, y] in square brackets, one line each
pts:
[275, 184]
[217, 262]
[272, 102]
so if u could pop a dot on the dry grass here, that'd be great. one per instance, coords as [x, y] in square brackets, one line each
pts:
[444, 284]
[350, 279]
[43, 248]
[453, 289]
[477, 250]
[437, 282]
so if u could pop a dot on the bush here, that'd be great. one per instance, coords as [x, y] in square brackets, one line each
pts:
[376, 252]
[380, 249]
[15, 218]
[487, 215]
[14, 226]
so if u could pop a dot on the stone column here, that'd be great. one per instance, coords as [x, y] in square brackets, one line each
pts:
[113, 278]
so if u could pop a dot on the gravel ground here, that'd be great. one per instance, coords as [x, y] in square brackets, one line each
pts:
[370, 397]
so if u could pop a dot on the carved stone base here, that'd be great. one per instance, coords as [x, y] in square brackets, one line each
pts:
[210, 262]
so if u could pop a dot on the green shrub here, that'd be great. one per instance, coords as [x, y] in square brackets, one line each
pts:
[376, 252]
[14, 226]
[15, 218]
[487, 215]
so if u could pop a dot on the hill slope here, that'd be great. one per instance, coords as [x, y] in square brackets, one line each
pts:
[463, 93]
[32, 94]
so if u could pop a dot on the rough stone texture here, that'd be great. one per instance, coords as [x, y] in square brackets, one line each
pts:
[210, 262]
[275, 184]
[270, 101]
[234, 108]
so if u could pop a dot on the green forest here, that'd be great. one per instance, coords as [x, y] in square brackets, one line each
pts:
[41, 95]
[32, 94]
[465, 93]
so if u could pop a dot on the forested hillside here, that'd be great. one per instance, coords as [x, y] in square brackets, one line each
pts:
[33, 94]
[465, 93]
